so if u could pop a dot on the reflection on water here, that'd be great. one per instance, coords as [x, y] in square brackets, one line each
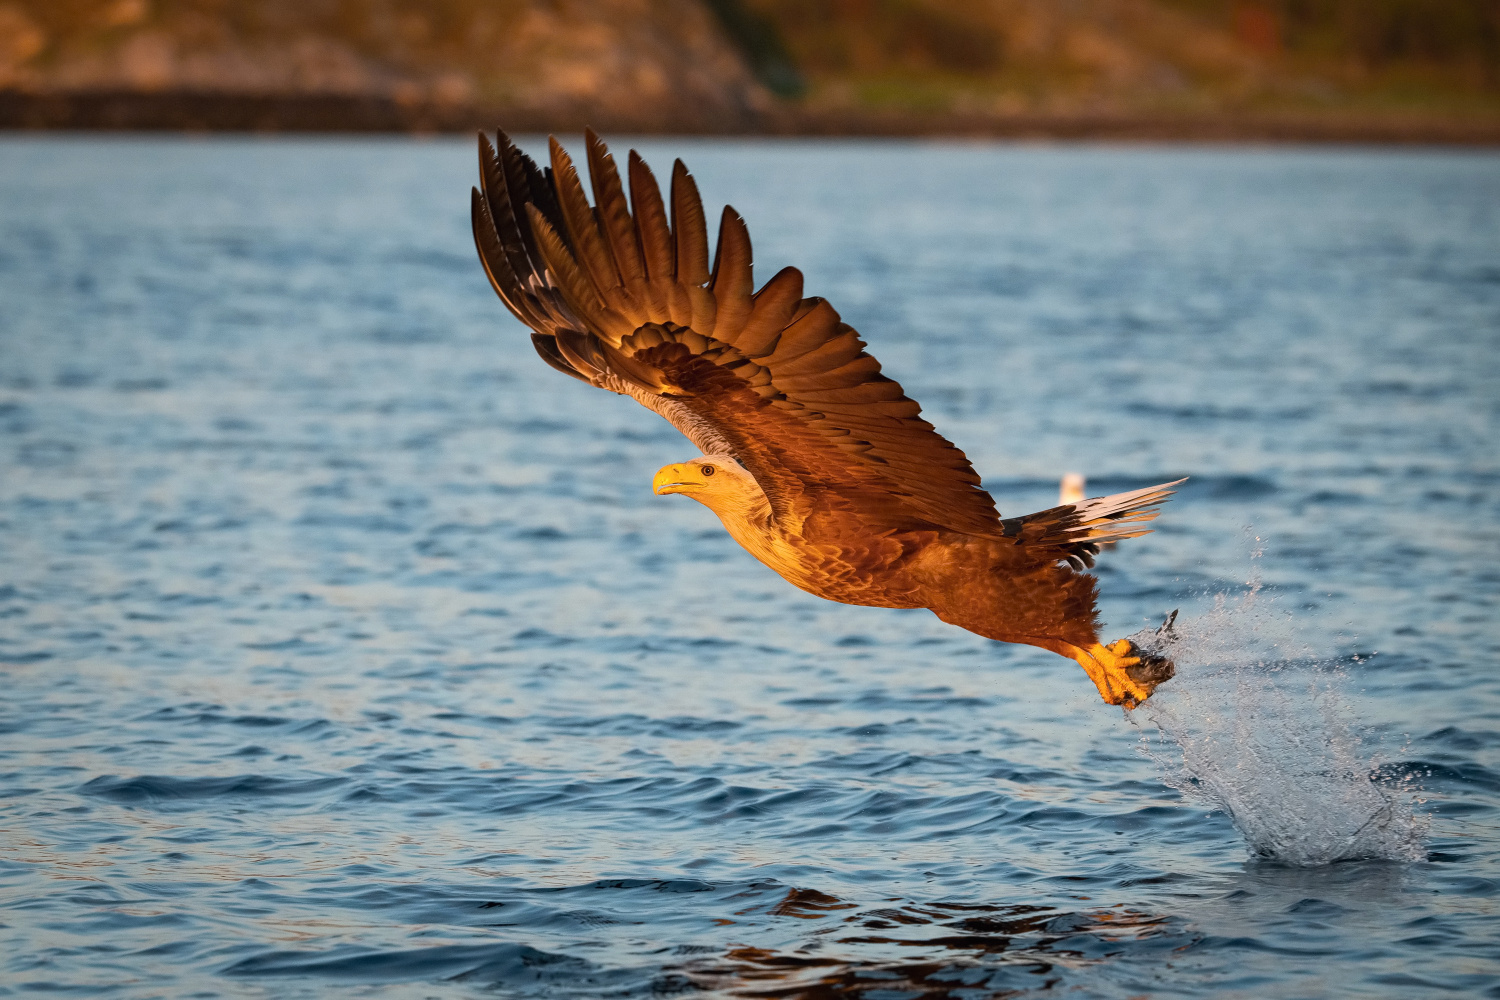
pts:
[924, 949]
[973, 947]
[347, 652]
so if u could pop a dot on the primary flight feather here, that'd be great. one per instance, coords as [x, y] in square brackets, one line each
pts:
[818, 464]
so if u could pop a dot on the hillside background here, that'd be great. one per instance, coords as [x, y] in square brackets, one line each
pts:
[1423, 70]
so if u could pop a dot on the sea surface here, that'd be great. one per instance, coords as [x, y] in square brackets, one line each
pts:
[347, 653]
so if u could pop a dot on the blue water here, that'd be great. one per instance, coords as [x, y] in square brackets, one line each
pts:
[347, 652]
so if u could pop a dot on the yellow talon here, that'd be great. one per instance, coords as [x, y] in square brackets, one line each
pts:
[1108, 667]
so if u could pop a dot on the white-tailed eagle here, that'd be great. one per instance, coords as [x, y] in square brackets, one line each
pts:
[819, 465]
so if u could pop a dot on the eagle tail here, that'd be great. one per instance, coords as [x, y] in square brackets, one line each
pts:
[1078, 530]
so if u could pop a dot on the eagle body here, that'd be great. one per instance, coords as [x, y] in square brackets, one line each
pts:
[993, 587]
[817, 463]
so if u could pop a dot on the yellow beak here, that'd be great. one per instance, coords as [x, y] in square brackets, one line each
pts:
[680, 478]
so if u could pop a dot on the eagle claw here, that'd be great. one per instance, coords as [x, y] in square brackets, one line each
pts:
[1127, 671]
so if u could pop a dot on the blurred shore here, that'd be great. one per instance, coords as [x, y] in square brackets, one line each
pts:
[1351, 71]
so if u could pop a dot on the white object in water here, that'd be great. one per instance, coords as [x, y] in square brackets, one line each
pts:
[1070, 490]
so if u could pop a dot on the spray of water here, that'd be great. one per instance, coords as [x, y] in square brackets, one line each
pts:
[1256, 726]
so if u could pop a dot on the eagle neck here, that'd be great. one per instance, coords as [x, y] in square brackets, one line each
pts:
[753, 526]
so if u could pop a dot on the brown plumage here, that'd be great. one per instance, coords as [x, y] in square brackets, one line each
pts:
[818, 464]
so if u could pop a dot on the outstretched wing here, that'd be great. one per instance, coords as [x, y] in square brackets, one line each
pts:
[622, 296]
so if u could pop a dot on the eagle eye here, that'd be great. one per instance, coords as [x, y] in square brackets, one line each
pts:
[707, 470]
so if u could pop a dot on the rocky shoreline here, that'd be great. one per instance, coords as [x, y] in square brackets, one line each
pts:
[189, 111]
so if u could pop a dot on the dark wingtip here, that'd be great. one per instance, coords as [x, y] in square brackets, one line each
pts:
[477, 211]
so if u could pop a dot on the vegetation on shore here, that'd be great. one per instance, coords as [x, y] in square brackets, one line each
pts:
[780, 65]
[1140, 55]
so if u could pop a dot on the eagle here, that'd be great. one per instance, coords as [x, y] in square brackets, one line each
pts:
[818, 464]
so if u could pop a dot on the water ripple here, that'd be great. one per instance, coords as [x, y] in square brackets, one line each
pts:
[348, 652]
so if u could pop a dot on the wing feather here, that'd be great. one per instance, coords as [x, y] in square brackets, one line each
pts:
[508, 249]
[806, 332]
[651, 222]
[526, 185]
[497, 263]
[562, 267]
[614, 216]
[774, 306]
[547, 347]
[704, 309]
[512, 238]
[733, 280]
[874, 390]
[842, 349]
[583, 230]
[689, 227]
[846, 376]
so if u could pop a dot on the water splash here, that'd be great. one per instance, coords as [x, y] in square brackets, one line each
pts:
[1264, 734]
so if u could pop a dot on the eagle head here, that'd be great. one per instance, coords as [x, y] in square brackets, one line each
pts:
[716, 481]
